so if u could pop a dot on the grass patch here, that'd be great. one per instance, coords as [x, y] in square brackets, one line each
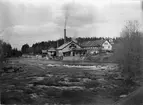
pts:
[78, 96]
[49, 81]
[13, 97]
[91, 84]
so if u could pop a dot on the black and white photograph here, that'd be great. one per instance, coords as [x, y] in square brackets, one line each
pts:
[71, 52]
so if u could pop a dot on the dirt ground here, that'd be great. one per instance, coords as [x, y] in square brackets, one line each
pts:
[35, 82]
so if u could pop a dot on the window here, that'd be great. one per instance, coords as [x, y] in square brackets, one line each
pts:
[72, 46]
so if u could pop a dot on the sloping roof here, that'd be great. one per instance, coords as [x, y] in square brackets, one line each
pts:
[111, 41]
[63, 46]
[96, 43]
[66, 44]
[51, 49]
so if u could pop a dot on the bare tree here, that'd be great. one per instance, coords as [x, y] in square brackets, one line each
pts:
[129, 51]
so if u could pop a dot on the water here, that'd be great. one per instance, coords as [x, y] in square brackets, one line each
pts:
[69, 64]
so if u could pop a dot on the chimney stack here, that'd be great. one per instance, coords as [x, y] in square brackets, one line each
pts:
[65, 36]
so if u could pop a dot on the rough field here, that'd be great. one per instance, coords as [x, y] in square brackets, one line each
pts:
[41, 82]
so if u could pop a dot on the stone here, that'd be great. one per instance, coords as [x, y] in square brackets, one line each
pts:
[30, 85]
[33, 95]
[123, 96]
[49, 75]
[51, 65]
[66, 79]
[86, 79]
[101, 80]
[39, 78]
[42, 86]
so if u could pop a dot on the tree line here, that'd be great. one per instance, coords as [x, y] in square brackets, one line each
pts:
[7, 51]
[44, 45]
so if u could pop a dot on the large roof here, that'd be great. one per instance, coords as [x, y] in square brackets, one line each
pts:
[96, 43]
[66, 44]
[63, 46]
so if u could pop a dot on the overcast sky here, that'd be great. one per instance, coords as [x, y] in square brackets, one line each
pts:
[31, 21]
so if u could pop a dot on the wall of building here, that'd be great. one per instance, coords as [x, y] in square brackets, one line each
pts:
[72, 58]
[107, 46]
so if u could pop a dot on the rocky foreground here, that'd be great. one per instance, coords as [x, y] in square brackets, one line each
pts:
[26, 83]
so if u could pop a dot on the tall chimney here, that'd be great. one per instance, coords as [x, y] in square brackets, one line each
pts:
[65, 36]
